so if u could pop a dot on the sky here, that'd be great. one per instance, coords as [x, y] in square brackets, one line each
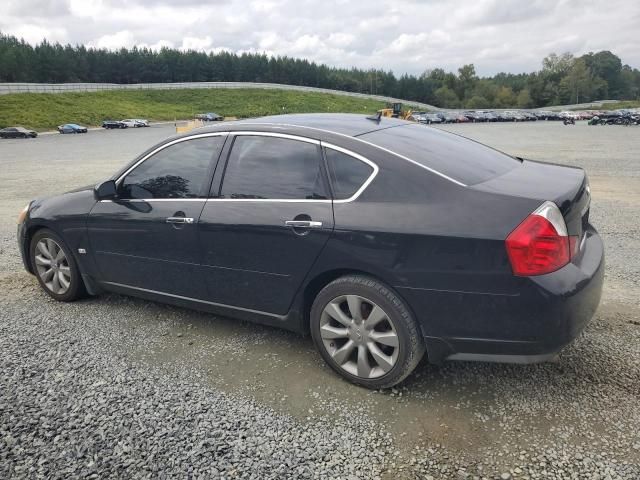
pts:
[405, 36]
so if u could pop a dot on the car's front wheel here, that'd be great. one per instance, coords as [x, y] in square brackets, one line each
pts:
[55, 267]
[365, 332]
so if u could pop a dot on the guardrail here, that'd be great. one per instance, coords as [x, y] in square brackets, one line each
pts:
[8, 88]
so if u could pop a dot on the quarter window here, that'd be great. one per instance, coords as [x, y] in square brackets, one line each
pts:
[177, 171]
[347, 173]
[273, 168]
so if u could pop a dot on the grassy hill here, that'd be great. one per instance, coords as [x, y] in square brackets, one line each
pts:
[43, 111]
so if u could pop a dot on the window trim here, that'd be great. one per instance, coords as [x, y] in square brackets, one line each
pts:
[321, 144]
[280, 200]
[417, 164]
[357, 156]
[159, 149]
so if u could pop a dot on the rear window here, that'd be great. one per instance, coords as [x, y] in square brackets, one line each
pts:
[462, 159]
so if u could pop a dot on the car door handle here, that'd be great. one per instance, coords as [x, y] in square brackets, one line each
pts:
[179, 220]
[303, 224]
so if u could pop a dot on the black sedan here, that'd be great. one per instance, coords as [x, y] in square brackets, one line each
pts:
[17, 132]
[384, 239]
[111, 124]
[71, 128]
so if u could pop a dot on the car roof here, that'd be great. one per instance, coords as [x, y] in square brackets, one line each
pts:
[349, 124]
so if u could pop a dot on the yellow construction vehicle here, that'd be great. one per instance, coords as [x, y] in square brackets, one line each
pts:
[395, 111]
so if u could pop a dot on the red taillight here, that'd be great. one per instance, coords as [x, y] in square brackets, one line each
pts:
[540, 244]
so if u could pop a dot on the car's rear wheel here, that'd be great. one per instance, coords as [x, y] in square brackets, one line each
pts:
[55, 267]
[365, 332]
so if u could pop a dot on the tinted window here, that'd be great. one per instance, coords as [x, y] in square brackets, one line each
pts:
[347, 173]
[272, 167]
[464, 160]
[178, 171]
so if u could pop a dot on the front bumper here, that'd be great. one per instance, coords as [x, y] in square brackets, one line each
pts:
[23, 247]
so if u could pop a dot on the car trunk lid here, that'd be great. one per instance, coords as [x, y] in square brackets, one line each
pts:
[567, 187]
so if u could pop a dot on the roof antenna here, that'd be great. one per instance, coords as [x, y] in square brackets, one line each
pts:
[376, 117]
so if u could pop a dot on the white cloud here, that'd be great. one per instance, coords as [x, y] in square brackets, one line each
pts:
[123, 38]
[399, 35]
[36, 33]
[196, 43]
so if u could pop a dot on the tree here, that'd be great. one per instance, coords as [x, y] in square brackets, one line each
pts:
[576, 86]
[562, 78]
[556, 66]
[608, 67]
[505, 98]
[446, 97]
[477, 102]
[524, 99]
[467, 80]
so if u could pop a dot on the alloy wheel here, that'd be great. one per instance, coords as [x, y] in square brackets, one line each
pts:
[52, 266]
[359, 336]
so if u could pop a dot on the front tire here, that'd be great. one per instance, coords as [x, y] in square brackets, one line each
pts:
[365, 332]
[55, 268]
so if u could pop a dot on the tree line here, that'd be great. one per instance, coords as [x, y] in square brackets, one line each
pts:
[563, 79]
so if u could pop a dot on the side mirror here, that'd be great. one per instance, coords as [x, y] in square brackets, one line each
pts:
[105, 190]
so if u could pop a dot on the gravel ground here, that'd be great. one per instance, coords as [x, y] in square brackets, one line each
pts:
[119, 387]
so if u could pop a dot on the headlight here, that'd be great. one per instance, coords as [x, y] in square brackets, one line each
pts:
[23, 215]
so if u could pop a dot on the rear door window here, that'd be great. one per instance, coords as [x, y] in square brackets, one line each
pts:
[264, 167]
[457, 157]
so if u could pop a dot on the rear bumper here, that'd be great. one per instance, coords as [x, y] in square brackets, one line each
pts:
[546, 313]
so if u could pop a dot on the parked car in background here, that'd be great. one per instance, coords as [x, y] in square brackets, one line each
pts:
[417, 116]
[475, 116]
[449, 117]
[460, 118]
[516, 116]
[382, 239]
[528, 116]
[17, 132]
[567, 114]
[545, 114]
[134, 123]
[209, 117]
[72, 128]
[141, 122]
[110, 124]
[429, 118]
[490, 116]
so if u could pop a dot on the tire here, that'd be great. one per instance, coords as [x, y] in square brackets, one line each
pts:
[75, 288]
[403, 345]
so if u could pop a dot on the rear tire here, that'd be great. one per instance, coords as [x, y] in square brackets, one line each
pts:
[55, 267]
[365, 332]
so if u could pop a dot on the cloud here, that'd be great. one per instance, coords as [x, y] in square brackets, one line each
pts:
[196, 43]
[35, 33]
[399, 35]
[120, 39]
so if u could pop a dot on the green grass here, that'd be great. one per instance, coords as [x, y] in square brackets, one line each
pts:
[613, 106]
[43, 111]
[619, 105]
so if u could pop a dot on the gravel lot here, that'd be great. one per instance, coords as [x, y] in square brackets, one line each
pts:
[119, 387]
